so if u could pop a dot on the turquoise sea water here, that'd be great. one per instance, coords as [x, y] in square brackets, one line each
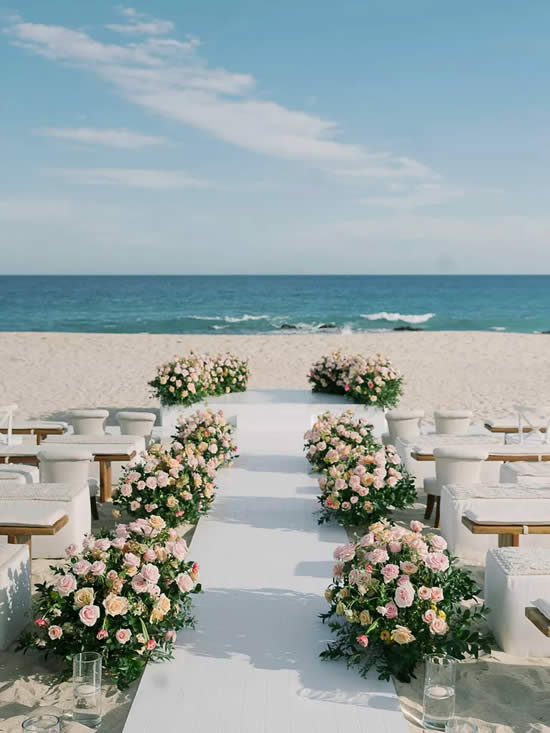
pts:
[274, 304]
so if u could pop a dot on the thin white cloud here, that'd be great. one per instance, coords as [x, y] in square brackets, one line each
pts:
[112, 138]
[141, 24]
[414, 196]
[167, 77]
[130, 177]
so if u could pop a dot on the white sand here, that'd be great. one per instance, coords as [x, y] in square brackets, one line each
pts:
[50, 374]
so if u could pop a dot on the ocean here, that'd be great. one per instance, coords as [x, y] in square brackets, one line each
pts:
[236, 304]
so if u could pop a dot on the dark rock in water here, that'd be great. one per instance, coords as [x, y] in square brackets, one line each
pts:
[545, 331]
[288, 325]
[327, 325]
[408, 328]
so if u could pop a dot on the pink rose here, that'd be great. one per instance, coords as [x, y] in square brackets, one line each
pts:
[131, 560]
[153, 590]
[140, 485]
[395, 546]
[425, 594]
[344, 553]
[55, 632]
[367, 540]
[429, 616]
[416, 526]
[98, 567]
[404, 595]
[184, 582]
[89, 615]
[102, 634]
[126, 490]
[65, 584]
[391, 610]
[170, 636]
[378, 556]
[151, 482]
[439, 626]
[119, 543]
[150, 573]
[139, 584]
[437, 561]
[180, 550]
[338, 570]
[151, 644]
[149, 555]
[71, 550]
[134, 506]
[409, 568]
[82, 567]
[111, 575]
[102, 544]
[390, 572]
[363, 640]
[437, 595]
[438, 543]
[123, 636]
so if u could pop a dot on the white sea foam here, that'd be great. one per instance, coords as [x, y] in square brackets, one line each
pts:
[498, 328]
[383, 316]
[246, 317]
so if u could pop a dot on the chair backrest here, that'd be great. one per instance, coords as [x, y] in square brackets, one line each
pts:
[6, 420]
[64, 465]
[89, 422]
[136, 423]
[457, 465]
[403, 424]
[452, 422]
[534, 418]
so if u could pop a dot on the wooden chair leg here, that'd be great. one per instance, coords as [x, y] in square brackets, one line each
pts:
[429, 506]
[437, 511]
[93, 506]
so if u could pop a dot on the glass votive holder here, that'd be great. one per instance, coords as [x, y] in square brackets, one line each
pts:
[460, 725]
[87, 688]
[42, 723]
[439, 691]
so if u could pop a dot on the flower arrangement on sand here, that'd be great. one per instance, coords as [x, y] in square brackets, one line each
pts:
[175, 482]
[361, 481]
[370, 381]
[125, 596]
[210, 433]
[190, 379]
[396, 595]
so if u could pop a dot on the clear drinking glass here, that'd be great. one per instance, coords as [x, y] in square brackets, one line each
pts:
[439, 691]
[87, 688]
[459, 725]
[49, 723]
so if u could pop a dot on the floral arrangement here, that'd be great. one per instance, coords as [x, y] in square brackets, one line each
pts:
[211, 434]
[373, 382]
[190, 379]
[396, 595]
[125, 596]
[361, 481]
[333, 437]
[175, 482]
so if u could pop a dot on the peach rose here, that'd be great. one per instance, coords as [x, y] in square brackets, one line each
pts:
[402, 635]
[84, 597]
[116, 605]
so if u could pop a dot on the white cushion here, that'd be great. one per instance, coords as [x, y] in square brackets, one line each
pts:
[10, 490]
[509, 513]
[432, 487]
[453, 414]
[136, 416]
[404, 414]
[64, 453]
[461, 453]
[20, 513]
[90, 414]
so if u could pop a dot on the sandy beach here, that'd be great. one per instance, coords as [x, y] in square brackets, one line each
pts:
[47, 375]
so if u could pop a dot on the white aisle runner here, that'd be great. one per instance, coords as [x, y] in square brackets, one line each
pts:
[253, 663]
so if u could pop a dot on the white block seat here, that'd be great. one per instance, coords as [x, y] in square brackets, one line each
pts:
[136, 423]
[514, 579]
[62, 464]
[508, 502]
[526, 472]
[453, 464]
[89, 422]
[452, 422]
[42, 504]
[21, 472]
[402, 424]
[15, 592]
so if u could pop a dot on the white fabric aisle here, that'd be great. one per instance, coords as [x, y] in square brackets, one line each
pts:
[253, 662]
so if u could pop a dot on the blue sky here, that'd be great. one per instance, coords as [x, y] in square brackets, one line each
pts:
[364, 136]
